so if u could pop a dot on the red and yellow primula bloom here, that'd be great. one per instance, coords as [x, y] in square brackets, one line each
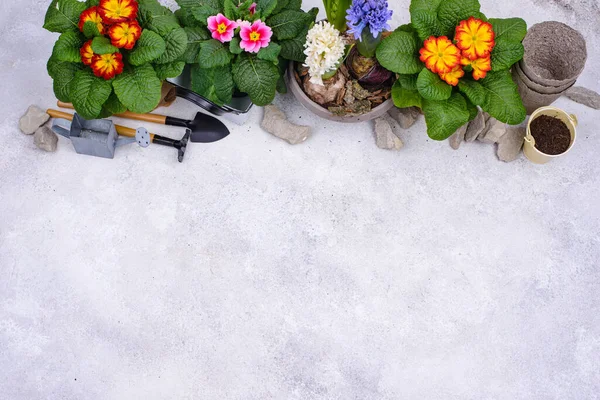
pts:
[114, 11]
[475, 38]
[91, 15]
[452, 77]
[440, 55]
[481, 66]
[87, 54]
[124, 35]
[107, 66]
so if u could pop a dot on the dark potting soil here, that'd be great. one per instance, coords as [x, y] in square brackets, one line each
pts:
[551, 135]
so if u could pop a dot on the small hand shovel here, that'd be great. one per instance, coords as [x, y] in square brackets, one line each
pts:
[205, 128]
[180, 145]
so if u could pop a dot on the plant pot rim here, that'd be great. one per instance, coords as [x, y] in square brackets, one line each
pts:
[317, 109]
[537, 32]
[542, 89]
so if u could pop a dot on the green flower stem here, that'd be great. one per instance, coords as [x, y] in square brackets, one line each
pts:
[368, 45]
[336, 13]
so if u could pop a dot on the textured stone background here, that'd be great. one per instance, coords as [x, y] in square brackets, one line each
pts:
[330, 270]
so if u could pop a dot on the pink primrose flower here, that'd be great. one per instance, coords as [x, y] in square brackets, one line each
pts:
[255, 37]
[221, 28]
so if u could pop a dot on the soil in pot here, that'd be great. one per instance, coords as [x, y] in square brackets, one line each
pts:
[552, 136]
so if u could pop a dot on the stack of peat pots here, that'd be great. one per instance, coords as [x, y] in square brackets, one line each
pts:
[555, 55]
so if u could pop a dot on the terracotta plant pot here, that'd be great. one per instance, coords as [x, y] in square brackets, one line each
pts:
[317, 109]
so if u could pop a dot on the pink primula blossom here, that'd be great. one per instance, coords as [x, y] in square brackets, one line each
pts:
[255, 37]
[222, 29]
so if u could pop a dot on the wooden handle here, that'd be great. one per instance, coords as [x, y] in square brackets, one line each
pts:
[154, 118]
[121, 130]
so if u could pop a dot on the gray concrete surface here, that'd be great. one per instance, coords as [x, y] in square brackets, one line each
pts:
[328, 270]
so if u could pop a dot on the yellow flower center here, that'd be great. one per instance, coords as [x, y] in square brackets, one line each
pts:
[254, 36]
[222, 28]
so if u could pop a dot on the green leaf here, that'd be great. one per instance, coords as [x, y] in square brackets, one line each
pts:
[506, 54]
[234, 46]
[63, 15]
[431, 87]
[216, 84]
[294, 5]
[230, 9]
[473, 90]
[399, 53]
[426, 24]
[62, 73]
[451, 12]
[171, 70]
[289, 24]
[186, 18]
[440, 18]
[90, 29]
[67, 47]
[176, 44]
[113, 105]
[265, 7]
[281, 5]
[138, 88]
[404, 98]
[510, 29]
[408, 81]
[256, 77]
[213, 54]
[270, 53]
[201, 14]
[196, 35]
[445, 117]
[509, 49]
[498, 95]
[152, 15]
[472, 108]
[149, 47]
[101, 45]
[92, 3]
[89, 93]
[293, 49]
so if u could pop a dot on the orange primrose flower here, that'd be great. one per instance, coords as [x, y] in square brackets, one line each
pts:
[481, 66]
[440, 55]
[475, 38]
[124, 35]
[113, 11]
[453, 76]
[87, 54]
[91, 15]
[107, 66]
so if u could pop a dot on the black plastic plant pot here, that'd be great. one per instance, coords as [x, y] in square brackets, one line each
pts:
[240, 103]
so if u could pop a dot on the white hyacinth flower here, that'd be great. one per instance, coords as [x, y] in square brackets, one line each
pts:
[324, 50]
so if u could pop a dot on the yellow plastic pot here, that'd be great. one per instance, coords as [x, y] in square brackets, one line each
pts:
[531, 152]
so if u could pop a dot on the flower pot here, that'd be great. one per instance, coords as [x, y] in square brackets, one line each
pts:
[317, 109]
[555, 54]
[516, 69]
[534, 98]
[531, 152]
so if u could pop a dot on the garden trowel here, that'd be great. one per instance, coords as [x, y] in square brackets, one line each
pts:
[204, 128]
